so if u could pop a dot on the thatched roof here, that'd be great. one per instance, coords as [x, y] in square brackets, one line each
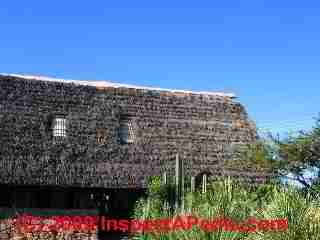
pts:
[199, 127]
[107, 84]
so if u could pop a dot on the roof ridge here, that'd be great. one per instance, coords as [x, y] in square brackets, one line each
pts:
[104, 83]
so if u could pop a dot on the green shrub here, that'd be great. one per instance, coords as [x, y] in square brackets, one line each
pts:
[239, 202]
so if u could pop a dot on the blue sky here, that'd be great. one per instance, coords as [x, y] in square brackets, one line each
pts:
[266, 52]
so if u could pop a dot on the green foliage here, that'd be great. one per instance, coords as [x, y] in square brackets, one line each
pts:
[301, 211]
[293, 155]
[154, 185]
[239, 202]
[301, 152]
[313, 190]
[157, 190]
[258, 156]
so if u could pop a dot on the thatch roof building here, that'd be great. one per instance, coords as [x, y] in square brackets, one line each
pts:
[56, 132]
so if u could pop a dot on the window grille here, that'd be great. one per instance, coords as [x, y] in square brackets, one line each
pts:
[126, 131]
[59, 127]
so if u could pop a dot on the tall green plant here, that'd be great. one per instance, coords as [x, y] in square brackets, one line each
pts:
[239, 202]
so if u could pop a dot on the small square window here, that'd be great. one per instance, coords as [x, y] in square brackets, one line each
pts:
[59, 127]
[126, 131]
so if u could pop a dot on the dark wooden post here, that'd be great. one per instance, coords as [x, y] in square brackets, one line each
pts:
[179, 181]
[101, 201]
[182, 185]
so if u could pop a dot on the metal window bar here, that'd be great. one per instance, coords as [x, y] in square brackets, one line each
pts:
[130, 133]
[126, 132]
[59, 127]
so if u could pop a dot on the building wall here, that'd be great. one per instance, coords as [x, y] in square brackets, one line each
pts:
[201, 128]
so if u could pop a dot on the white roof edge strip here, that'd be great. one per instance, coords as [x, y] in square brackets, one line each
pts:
[115, 85]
